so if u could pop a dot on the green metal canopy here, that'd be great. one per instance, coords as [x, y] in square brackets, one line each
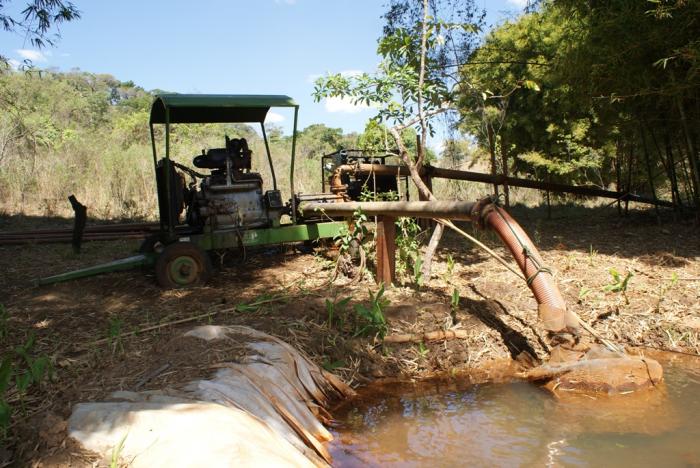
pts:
[215, 108]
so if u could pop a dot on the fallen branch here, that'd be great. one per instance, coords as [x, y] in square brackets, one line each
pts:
[151, 375]
[437, 335]
[237, 308]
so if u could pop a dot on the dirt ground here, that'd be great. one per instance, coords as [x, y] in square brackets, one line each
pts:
[113, 332]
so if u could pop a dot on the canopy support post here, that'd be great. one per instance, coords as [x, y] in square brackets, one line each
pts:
[269, 156]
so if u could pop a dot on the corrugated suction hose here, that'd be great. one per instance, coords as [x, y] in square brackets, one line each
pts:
[551, 306]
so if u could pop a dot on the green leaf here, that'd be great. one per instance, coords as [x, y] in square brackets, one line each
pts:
[623, 286]
[583, 292]
[23, 382]
[529, 84]
[39, 368]
[422, 349]
[5, 414]
[5, 374]
[331, 366]
[674, 278]
[455, 298]
[29, 345]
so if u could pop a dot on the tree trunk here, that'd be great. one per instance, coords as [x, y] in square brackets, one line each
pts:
[666, 158]
[687, 185]
[430, 252]
[424, 224]
[549, 202]
[618, 175]
[692, 156]
[425, 192]
[504, 162]
[628, 188]
[492, 150]
[650, 173]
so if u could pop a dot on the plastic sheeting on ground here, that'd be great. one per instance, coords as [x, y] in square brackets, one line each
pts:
[263, 410]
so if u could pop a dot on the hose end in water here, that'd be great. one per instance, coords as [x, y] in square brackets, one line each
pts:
[556, 319]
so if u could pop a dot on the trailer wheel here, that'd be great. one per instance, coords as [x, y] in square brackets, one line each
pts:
[182, 264]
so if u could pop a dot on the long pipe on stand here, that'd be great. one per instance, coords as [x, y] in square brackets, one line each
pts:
[485, 214]
[453, 174]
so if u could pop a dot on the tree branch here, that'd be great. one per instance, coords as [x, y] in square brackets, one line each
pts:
[421, 81]
[427, 114]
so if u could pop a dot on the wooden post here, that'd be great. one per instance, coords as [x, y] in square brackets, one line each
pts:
[78, 223]
[386, 250]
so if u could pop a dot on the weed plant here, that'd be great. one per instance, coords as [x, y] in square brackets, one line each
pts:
[20, 370]
[371, 319]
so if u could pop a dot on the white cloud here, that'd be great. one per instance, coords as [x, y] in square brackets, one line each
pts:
[313, 77]
[274, 117]
[14, 64]
[33, 55]
[343, 104]
[519, 3]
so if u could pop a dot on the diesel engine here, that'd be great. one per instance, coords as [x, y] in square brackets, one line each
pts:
[229, 197]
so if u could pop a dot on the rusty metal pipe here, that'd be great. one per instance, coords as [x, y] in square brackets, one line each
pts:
[499, 179]
[485, 214]
[460, 210]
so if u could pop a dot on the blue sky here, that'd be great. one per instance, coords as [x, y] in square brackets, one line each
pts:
[235, 46]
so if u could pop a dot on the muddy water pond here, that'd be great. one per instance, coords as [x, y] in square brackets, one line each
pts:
[454, 423]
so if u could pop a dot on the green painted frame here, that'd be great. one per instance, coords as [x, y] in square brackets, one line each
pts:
[174, 108]
[266, 236]
[142, 260]
[168, 109]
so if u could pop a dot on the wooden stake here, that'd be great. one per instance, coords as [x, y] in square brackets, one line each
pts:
[386, 249]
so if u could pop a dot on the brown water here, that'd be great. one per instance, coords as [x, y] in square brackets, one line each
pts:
[519, 424]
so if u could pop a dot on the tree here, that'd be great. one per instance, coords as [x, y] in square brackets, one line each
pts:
[518, 106]
[415, 79]
[376, 138]
[317, 139]
[37, 21]
[593, 92]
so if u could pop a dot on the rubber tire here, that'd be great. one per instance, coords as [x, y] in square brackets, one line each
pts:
[193, 258]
